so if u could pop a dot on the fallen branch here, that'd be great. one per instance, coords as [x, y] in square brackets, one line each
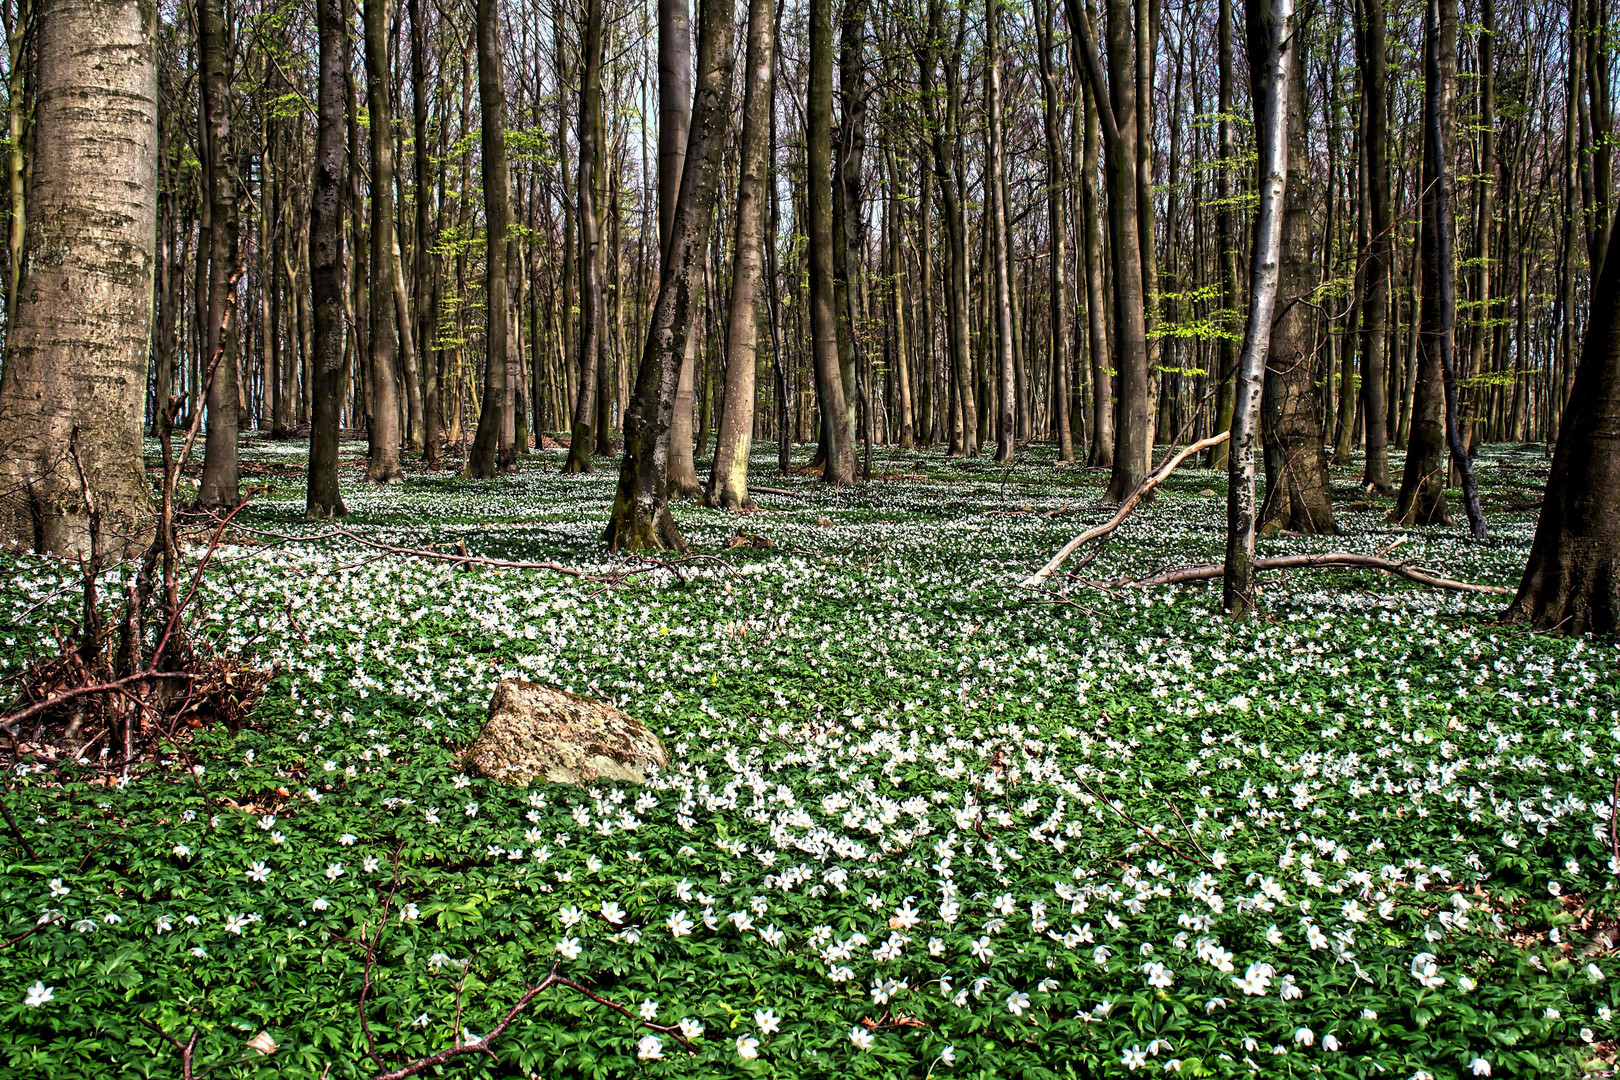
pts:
[1332, 560]
[481, 1045]
[756, 489]
[1147, 484]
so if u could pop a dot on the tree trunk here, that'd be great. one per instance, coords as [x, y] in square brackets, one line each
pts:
[592, 351]
[1057, 183]
[220, 485]
[490, 453]
[382, 463]
[837, 430]
[427, 282]
[1001, 299]
[327, 272]
[1225, 233]
[1272, 38]
[728, 481]
[1101, 454]
[1291, 407]
[641, 519]
[75, 368]
[1116, 107]
[1377, 246]
[1571, 582]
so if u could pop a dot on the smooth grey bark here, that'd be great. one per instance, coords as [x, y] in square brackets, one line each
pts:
[490, 452]
[838, 430]
[1001, 298]
[592, 311]
[383, 431]
[728, 478]
[75, 367]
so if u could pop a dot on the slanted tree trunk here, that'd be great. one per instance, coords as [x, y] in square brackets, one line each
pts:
[75, 368]
[592, 341]
[641, 519]
[327, 272]
[1291, 431]
[382, 461]
[1378, 245]
[1571, 582]
[220, 485]
[490, 453]
[728, 479]
[837, 430]
[1001, 299]
[1271, 41]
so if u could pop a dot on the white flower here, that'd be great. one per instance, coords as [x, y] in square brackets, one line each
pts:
[650, 1048]
[320, 904]
[258, 872]
[861, 1038]
[38, 994]
[981, 949]
[948, 1055]
[747, 1047]
[1017, 1002]
[611, 912]
[691, 1028]
[200, 953]
[1480, 1067]
[1304, 1036]
[370, 864]
[57, 888]
[1594, 973]
[679, 925]
[568, 948]
[163, 924]
[334, 871]
[1586, 1034]
[1134, 1058]
[236, 924]
[182, 851]
[649, 1009]
[347, 839]
[409, 912]
[767, 1020]
[570, 915]
[1330, 1042]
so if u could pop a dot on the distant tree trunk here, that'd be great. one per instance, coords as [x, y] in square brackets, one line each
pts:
[427, 283]
[1291, 430]
[1481, 330]
[220, 485]
[1101, 454]
[327, 272]
[1116, 108]
[490, 453]
[837, 430]
[848, 216]
[75, 367]
[962, 422]
[1226, 254]
[1057, 183]
[1001, 298]
[1377, 246]
[728, 480]
[382, 463]
[898, 302]
[1434, 405]
[641, 519]
[1271, 46]
[592, 341]
[1571, 582]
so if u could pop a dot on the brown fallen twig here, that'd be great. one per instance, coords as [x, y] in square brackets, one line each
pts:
[1147, 484]
[1332, 560]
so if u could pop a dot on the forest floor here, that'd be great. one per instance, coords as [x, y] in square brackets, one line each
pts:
[919, 821]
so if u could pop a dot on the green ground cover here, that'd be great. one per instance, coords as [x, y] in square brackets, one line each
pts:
[919, 821]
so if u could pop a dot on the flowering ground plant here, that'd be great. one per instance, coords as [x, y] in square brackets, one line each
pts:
[918, 822]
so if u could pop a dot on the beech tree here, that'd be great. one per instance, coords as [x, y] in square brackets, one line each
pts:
[75, 367]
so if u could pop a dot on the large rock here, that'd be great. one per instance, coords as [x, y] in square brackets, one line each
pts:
[537, 733]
